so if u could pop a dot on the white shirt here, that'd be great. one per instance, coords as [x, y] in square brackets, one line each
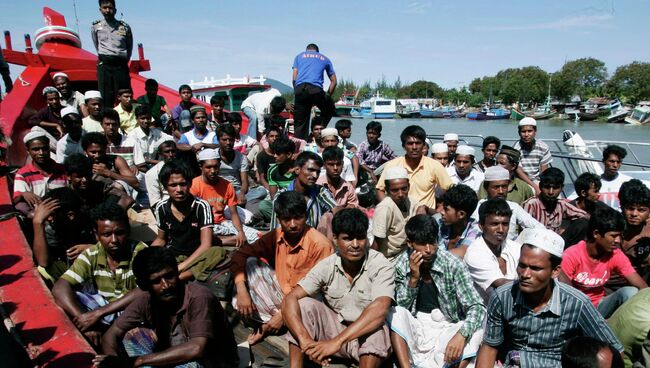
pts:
[65, 147]
[348, 171]
[155, 190]
[519, 218]
[147, 144]
[91, 125]
[259, 102]
[610, 188]
[76, 100]
[473, 180]
[484, 268]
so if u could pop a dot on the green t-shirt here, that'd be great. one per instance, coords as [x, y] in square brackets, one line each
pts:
[277, 178]
[156, 106]
[631, 323]
[518, 191]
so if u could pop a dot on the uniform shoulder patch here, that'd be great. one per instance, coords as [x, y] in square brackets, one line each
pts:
[124, 24]
[97, 22]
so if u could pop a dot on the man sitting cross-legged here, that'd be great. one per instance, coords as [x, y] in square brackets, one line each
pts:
[100, 282]
[220, 194]
[439, 313]
[187, 321]
[272, 266]
[185, 225]
[357, 285]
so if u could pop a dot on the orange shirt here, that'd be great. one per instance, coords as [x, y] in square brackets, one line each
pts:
[219, 195]
[291, 264]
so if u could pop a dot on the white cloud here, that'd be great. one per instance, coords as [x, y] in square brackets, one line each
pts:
[417, 7]
[596, 20]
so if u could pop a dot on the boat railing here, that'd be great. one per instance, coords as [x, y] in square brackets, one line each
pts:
[574, 160]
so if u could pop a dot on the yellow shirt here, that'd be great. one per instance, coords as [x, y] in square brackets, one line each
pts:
[128, 122]
[423, 180]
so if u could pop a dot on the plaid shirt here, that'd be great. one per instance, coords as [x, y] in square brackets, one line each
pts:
[471, 233]
[553, 220]
[320, 202]
[374, 157]
[457, 296]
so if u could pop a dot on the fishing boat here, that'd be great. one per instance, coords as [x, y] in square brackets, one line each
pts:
[489, 114]
[233, 91]
[28, 308]
[377, 107]
[518, 115]
[640, 115]
[617, 112]
[345, 105]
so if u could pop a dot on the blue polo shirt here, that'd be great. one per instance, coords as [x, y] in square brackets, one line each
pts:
[310, 65]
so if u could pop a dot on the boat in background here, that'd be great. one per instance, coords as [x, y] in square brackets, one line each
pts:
[489, 114]
[518, 115]
[640, 115]
[27, 305]
[376, 107]
[345, 105]
[617, 112]
[233, 91]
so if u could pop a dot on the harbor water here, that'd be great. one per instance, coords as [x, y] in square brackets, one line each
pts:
[506, 130]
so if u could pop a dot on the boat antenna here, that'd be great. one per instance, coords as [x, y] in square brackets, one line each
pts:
[76, 17]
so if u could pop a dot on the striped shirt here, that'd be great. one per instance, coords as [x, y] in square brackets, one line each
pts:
[29, 179]
[457, 297]
[532, 160]
[320, 202]
[539, 337]
[553, 220]
[126, 149]
[91, 267]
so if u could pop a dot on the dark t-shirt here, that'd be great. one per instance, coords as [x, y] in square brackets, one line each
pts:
[46, 114]
[200, 316]
[427, 298]
[264, 161]
[183, 237]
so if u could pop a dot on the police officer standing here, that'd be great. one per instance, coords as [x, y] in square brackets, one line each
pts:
[114, 43]
[308, 68]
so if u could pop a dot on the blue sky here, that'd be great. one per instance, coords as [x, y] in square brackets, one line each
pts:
[448, 42]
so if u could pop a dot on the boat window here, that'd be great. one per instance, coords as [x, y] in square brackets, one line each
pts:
[382, 103]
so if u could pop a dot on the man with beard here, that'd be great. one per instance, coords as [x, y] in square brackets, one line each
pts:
[187, 320]
[451, 140]
[34, 180]
[155, 190]
[61, 233]
[220, 194]
[392, 213]
[492, 258]
[320, 202]
[437, 321]
[495, 184]
[463, 171]
[518, 190]
[71, 142]
[425, 173]
[48, 119]
[557, 215]
[199, 137]
[105, 269]
[587, 187]
[357, 287]
[69, 97]
[95, 105]
[529, 321]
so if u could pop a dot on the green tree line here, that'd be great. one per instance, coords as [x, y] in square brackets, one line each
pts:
[586, 77]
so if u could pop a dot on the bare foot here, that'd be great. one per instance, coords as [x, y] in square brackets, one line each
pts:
[257, 336]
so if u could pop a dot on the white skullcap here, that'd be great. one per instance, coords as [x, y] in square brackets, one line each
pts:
[33, 135]
[329, 132]
[465, 150]
[496, 173]
[545, 239]
[50, 89]
[92, 94]
[396, 172]
[450, 137]
[427, 142]
[60, 74]
[68, 110]
[439, 148]
[527, 121]
[208, 154]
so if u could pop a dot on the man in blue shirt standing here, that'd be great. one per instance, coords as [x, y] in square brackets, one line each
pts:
[308, 68]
